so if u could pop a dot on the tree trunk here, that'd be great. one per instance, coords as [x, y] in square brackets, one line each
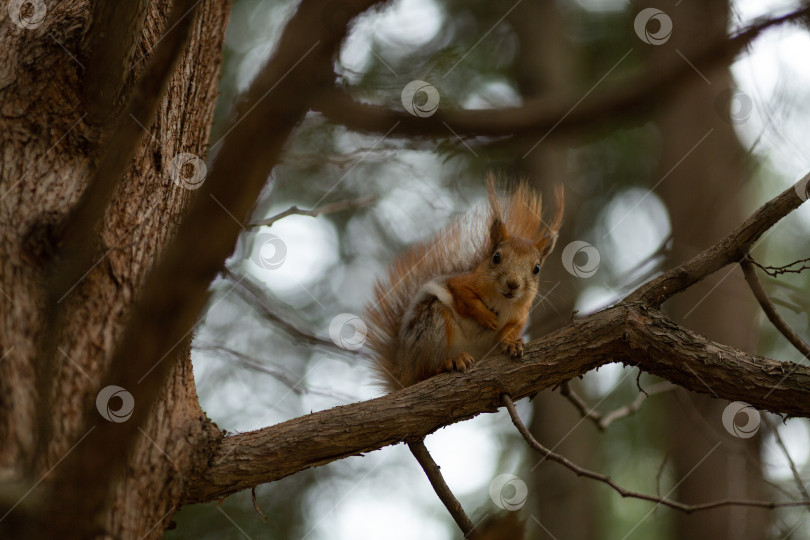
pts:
[706, 171]
[52, 138]
[546, 63]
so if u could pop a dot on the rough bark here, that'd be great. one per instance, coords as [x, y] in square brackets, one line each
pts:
[49, 151]
[626, 333]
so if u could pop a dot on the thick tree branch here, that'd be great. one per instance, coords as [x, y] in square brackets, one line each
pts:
[110, 44]
[663, 501]
[624, 333]
[560, 112]
[770, 310]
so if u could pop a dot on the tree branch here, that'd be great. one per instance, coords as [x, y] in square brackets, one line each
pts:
[730, 249]
[625, 333]
[110, 42]
[626, 493]
[559, 112]
[603, 421]
[770, 310]
[325, 209]
[252, 292]
[420, 452]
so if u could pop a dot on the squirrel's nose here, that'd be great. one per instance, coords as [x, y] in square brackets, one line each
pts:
[512, 284]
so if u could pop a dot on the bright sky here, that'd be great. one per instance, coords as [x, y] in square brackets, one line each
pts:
[369, 494]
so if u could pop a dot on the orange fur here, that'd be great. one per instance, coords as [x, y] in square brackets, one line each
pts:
[459, 260]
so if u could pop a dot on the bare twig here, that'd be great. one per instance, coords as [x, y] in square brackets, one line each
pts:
[325, 209]
[796, 476]
[293, 382]
[603, 421]
[770, 310]
[256, 504]
[420, 452]
[258, 298]
[626, 493]
[731, 249]
[776, 271]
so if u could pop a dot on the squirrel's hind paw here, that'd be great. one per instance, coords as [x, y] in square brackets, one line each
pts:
[461, 362]
[513, 348]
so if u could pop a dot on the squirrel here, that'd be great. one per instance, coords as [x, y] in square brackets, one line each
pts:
[464, 293]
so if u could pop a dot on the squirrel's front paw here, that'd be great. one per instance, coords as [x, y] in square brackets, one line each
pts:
[490, 321]
[513, 348]
[461, 362]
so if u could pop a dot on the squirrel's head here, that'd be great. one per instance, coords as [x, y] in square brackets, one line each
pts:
[519, 242]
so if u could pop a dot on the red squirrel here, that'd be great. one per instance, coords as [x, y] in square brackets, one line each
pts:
[463, 294]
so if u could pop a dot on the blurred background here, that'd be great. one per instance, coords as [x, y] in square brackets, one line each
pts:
[647, 192]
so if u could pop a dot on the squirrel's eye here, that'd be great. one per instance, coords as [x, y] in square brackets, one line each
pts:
[497, 257]
[536, 269]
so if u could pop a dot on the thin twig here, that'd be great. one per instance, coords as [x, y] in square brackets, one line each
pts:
[579, 471]
[256, 504]
[775, 271]
[603, 421]
[796, 476]
[252, 292]
[293, 382]
[325, 209]
[770, 310]
[420, 452]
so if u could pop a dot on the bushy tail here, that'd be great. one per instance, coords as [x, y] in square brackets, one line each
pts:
[456, 249]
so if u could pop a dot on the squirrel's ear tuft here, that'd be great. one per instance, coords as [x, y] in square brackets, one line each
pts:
[549, 238]
[497, 232]
[546, 244]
